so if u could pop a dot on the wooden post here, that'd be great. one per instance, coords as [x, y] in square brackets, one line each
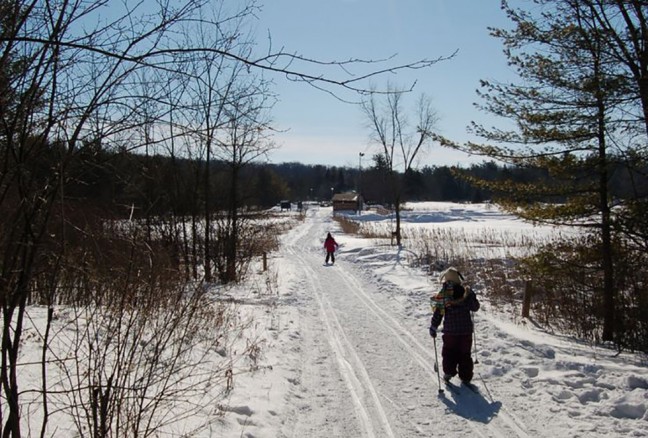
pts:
[526, 301]
[265, 262]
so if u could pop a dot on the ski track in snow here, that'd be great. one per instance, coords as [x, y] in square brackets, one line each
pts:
[349, 355]
[384, 370]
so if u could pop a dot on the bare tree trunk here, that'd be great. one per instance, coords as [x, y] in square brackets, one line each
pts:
[607, 251]
[208, 214]
[44, 386]
[397, 142]
[232, 241]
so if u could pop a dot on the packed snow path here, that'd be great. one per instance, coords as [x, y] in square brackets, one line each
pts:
[346, 351]
[366, 370]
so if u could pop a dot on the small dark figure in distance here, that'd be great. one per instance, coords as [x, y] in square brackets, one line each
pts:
[453, 304]
[330, 245]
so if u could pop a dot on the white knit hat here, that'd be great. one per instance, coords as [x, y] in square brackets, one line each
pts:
[451, 274]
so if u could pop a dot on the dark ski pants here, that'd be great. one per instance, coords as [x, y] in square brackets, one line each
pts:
[330, 255]
[456, 356]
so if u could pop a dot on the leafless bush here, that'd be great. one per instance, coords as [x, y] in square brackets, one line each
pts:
[253, 237]
[568, 294]
[142, 370]
[500, 278]
[129, 348]
[99, 257]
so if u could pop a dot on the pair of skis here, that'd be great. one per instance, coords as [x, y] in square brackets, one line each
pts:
[456, 389]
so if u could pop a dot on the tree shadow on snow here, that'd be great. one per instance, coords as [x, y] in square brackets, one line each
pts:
[470, 405]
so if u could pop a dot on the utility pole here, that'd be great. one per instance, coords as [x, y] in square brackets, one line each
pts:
[359, 188]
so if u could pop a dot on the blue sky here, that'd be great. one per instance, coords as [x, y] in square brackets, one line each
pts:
[322, 130]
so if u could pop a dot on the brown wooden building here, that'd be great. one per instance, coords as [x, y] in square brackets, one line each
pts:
[347, 202]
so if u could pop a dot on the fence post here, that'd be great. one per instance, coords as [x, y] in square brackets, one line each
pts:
[265, 262]
[526, 301]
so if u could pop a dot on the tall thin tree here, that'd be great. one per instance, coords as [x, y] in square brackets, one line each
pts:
[400, 142]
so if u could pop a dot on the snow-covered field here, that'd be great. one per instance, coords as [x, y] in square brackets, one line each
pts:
[347, 353]
[344, 350]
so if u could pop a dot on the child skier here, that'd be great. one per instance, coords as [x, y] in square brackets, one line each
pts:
[330, 245]
[453, 304]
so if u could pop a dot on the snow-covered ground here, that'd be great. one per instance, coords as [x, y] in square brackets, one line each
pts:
[346, 353]
[344, 350]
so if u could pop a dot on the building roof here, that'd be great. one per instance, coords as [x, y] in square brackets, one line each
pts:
[345, 197]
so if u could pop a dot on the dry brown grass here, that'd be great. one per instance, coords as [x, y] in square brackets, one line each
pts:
[488, 256]
[348, 226]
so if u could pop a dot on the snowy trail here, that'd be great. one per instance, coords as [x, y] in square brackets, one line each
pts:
[350, 365]
[353, 344]
[346, 353]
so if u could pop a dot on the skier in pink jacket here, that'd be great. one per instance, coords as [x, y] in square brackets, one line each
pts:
[330, 245]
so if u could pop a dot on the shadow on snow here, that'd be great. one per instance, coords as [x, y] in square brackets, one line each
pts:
[470, 405]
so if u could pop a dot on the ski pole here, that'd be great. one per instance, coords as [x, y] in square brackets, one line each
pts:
[474, 337]
[436, 366]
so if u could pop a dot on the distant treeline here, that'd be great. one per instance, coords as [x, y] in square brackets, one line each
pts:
[431, 183]
[138, 184]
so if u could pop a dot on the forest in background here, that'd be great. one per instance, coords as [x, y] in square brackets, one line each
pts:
[134, 185]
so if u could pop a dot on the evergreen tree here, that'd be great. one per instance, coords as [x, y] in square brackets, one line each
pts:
[624, 24]
[269, 188]
[568, 109]
[413, 187]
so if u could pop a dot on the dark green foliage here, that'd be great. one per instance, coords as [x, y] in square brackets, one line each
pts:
[268, 188]
[132, 183]
[577, 114]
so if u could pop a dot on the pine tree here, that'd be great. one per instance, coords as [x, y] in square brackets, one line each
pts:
[568, 110]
